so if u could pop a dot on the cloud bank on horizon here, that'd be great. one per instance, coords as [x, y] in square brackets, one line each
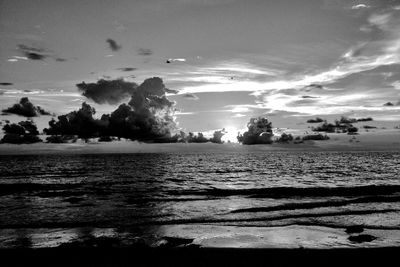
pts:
[230, 60]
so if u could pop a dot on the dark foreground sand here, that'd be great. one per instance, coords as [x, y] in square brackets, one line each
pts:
[192, 256]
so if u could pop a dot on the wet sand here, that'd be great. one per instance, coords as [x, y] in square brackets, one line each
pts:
[205, 245]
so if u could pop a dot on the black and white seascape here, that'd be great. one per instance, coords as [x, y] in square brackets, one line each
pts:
[199, 131]
[273, 200]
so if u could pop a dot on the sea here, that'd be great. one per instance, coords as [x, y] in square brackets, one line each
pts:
[72, 199]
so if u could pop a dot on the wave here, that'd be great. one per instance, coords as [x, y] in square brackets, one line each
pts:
[321, 204]
[202, 220]
[284, 192]
[53, 190]
[277, 217]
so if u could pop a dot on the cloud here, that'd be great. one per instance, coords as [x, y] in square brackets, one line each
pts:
[149, 116]
[6, 84]
[191, 96]
[242, 68]
[391, 104]
[145, 52]
[362, 57]
[79, 123]
[26, 108]
[308, 96]
[33, 53]
[25, 132]
[114, 46]
[107, 91]
[259, 131]
[127, 69]
[360, 6]
[313, 86]
[59, 59]
[16, 59]
[238, 115]
[170, 60]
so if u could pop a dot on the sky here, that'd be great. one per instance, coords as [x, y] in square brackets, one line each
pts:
[228, 60]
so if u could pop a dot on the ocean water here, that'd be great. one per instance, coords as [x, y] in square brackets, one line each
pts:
[44, 194]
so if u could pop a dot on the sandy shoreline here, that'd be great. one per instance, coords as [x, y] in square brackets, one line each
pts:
[205, 245]
[202, 235]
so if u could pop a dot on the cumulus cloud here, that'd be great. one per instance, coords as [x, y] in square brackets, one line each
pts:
[25, 108]
[25, 132]
[107, 91]
[114, 46]
[259, 131]
[79, 123]
[145, 52]
[148, 116]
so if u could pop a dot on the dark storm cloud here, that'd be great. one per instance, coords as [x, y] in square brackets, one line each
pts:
[6, 84]
[114, 46]
[127, 69]
[107, 91]
[145, 52]
[25, 108]
[191, 96]
[148, 117]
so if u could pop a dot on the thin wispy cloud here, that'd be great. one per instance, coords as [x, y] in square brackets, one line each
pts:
[360, 6]
[350, 63]
[170, 60]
